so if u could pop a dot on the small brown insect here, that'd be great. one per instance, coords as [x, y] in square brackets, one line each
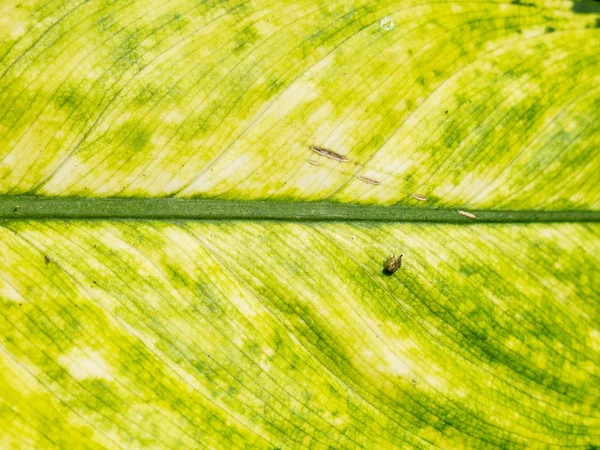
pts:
[314, 163]
[368, 180]
[392, 264]
[47, 259]
[467, 214]
[329, 153]
[419, 197]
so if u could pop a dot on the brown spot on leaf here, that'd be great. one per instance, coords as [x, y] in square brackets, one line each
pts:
[329, 153]
[392, 264]
[368, 180]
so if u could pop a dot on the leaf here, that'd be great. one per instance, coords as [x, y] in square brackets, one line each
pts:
[222, 318]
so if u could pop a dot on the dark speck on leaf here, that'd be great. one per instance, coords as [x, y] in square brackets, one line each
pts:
[47, 259]
[392, 264]
[550, 30]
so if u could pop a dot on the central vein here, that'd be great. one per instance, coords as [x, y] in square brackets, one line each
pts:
[28, 207]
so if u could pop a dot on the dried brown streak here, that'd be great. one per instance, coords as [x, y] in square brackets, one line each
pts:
[368, 180]
[329, 153]
[419, 197]
[314, 163]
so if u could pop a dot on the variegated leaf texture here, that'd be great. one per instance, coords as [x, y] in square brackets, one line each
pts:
[134, 333]
[485, 104]
[267, 335]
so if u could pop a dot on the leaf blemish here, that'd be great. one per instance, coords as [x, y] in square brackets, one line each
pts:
[314, 163]
[47, 259]
[467, 214]
[368, 180]
[329, 153]
[392, 264]
[387, 23]
[419, 197]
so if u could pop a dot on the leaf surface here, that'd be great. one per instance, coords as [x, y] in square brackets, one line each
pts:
[215, 328]
[488, 105]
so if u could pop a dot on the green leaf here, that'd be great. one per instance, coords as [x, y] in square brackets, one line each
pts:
[197, 198]
[475, 104]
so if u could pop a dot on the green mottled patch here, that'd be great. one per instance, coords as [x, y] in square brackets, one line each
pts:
[586, 6]
[246, 39]
[139, 138]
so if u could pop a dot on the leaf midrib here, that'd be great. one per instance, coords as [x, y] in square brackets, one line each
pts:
[39, 208]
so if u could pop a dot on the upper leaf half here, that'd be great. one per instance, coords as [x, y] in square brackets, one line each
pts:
[481, 104]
